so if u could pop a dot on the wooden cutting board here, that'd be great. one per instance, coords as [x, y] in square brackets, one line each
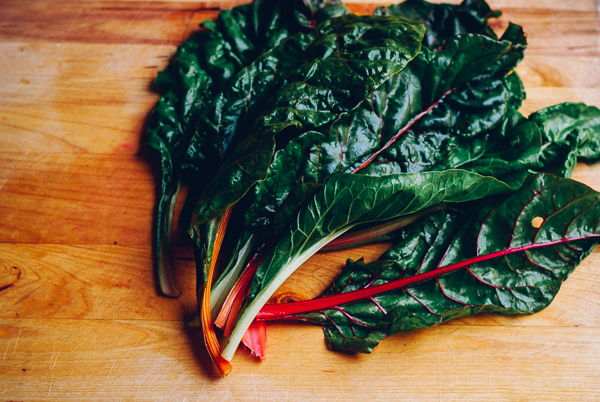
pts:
[80, 317]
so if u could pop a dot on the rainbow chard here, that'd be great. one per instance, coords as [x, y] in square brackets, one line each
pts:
[476, 66]
[511, 256]
[307, 81]
[452, 107]
[300, 125]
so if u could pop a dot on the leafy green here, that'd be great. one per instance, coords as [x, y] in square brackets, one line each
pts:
[475, 127]
[233, 268]
[569, 132]
[313, 123]
[503, 263]
[326, 73]
[200, 67]
[361, 44]
[302, 15]
[348, 200]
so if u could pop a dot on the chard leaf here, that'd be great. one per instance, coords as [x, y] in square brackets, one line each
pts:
[323, 74]
[348, 200]
[476, 127]
[445, 20]
[483, 134]
[507, 255]
[570, 131]
[462, 58]
[201, 68]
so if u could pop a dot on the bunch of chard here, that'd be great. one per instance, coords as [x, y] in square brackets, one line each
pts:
[299, 127]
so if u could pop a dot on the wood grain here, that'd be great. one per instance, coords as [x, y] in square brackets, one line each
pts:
[80, 316]
[149, 360]
[90, 282]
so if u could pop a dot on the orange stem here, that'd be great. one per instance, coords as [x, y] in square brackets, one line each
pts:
[210, 337]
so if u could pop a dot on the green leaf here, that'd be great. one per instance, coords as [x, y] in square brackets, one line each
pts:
[277, 20]
[570, 131]
[488, 258]
[311, 13]
[346, 201]
[165, 132]
[349, 56]
[476, 127]
[463, 58]
[358, 94]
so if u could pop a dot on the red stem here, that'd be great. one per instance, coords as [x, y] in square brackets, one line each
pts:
[278, 311]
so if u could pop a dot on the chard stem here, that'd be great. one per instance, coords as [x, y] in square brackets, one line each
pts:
[235, 299]
[224, 285]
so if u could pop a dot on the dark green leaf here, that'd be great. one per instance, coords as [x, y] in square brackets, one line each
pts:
[503, 263]
[276, 20]
[475, 127]
[201, 67]
[349, 57]
[570, 131]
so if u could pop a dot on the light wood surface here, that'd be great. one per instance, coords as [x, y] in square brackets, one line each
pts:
[80, 317]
